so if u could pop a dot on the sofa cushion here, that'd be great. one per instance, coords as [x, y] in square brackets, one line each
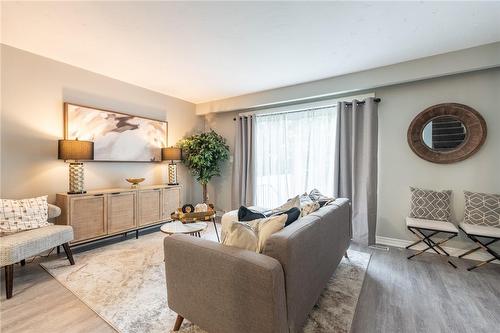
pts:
[430, 205]
[24, 214]
[22, 245]
[247, 214]
[482, 209]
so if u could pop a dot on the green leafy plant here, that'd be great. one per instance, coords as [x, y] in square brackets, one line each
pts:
[203, 154]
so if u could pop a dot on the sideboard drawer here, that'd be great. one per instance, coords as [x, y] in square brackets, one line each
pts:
[149, 207]
[121, 211]
[171, 201]
[88, 216]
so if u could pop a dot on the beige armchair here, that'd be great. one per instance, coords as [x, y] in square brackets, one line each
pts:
[22, 245]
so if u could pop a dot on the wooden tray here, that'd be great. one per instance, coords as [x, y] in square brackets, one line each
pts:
[193, 217]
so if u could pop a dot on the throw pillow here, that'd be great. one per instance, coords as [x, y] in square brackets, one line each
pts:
[266, 227]
[307, 206]
[25, 214]
[293, 202]
[292, 215]
[430, 205]
[253, 235]
[241, 235]
[482, 209]
[322, 199]
[246, 214]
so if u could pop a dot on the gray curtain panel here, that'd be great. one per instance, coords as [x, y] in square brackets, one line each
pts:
[356, 164]
[242, 191]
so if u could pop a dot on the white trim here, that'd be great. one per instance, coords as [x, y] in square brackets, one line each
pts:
[453, 251]
[306, 105]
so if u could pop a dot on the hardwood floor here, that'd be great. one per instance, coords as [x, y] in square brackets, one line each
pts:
[422, 295]
[426, 294]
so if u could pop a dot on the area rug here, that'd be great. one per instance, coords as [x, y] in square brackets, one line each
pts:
[124, 284]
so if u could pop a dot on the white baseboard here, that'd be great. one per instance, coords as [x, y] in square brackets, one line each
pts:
[453, 251]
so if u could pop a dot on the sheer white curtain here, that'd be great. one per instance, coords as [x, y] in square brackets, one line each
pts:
[294, 153]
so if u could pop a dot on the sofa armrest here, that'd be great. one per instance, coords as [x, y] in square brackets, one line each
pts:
[54, 211]
[224, 289]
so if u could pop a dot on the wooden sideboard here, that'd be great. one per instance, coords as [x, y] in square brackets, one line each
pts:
[102, 213]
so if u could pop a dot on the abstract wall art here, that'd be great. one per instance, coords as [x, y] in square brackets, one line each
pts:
[117, 137]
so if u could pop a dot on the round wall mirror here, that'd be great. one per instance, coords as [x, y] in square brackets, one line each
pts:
[447, 133]
[444, 133]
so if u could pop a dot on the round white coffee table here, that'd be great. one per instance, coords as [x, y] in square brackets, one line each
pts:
[177, 227]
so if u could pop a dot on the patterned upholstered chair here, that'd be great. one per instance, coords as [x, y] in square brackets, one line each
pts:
[429, 217]
[22, 245]
[481, 224]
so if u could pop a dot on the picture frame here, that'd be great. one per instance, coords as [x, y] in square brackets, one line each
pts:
[117, 136]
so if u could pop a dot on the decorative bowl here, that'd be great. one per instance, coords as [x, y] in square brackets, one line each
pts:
[135, 181]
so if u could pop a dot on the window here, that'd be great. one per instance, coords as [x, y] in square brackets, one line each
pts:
[294, 153]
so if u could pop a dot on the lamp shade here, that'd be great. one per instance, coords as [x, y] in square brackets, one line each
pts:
[76, 150]
[171, 154]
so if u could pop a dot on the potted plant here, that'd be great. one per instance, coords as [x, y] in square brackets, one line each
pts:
[203, 154]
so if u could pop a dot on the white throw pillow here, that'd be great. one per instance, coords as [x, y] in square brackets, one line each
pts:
[25, 214]
[307, 206]
[266, 227]
[253, 235]
[241, 235]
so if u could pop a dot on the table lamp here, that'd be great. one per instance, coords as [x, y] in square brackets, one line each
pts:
[171, 154]
[73, 151]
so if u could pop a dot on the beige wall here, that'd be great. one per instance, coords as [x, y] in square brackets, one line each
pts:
[399, 167]
[33, 91]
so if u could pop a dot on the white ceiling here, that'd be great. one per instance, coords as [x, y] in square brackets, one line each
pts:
[212, 50]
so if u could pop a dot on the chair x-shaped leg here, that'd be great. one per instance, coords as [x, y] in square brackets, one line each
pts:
[482, 245]
[431, 245]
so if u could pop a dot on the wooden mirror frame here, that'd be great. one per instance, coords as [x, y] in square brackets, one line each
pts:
[474, 138]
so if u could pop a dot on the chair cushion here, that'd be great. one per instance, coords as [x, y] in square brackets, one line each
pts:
[431, 224]
[22, 245]
[480, 230]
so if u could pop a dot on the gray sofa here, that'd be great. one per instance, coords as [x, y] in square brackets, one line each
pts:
[226, 290]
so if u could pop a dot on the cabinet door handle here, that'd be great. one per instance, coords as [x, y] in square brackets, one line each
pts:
[116, 192]
[98, 195]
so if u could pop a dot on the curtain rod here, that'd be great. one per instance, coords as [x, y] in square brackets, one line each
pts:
[376, 100]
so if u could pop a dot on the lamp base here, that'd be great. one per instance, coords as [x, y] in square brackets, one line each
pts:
[172, 174]
[76, 178]
[173, 184]
[82, 192]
